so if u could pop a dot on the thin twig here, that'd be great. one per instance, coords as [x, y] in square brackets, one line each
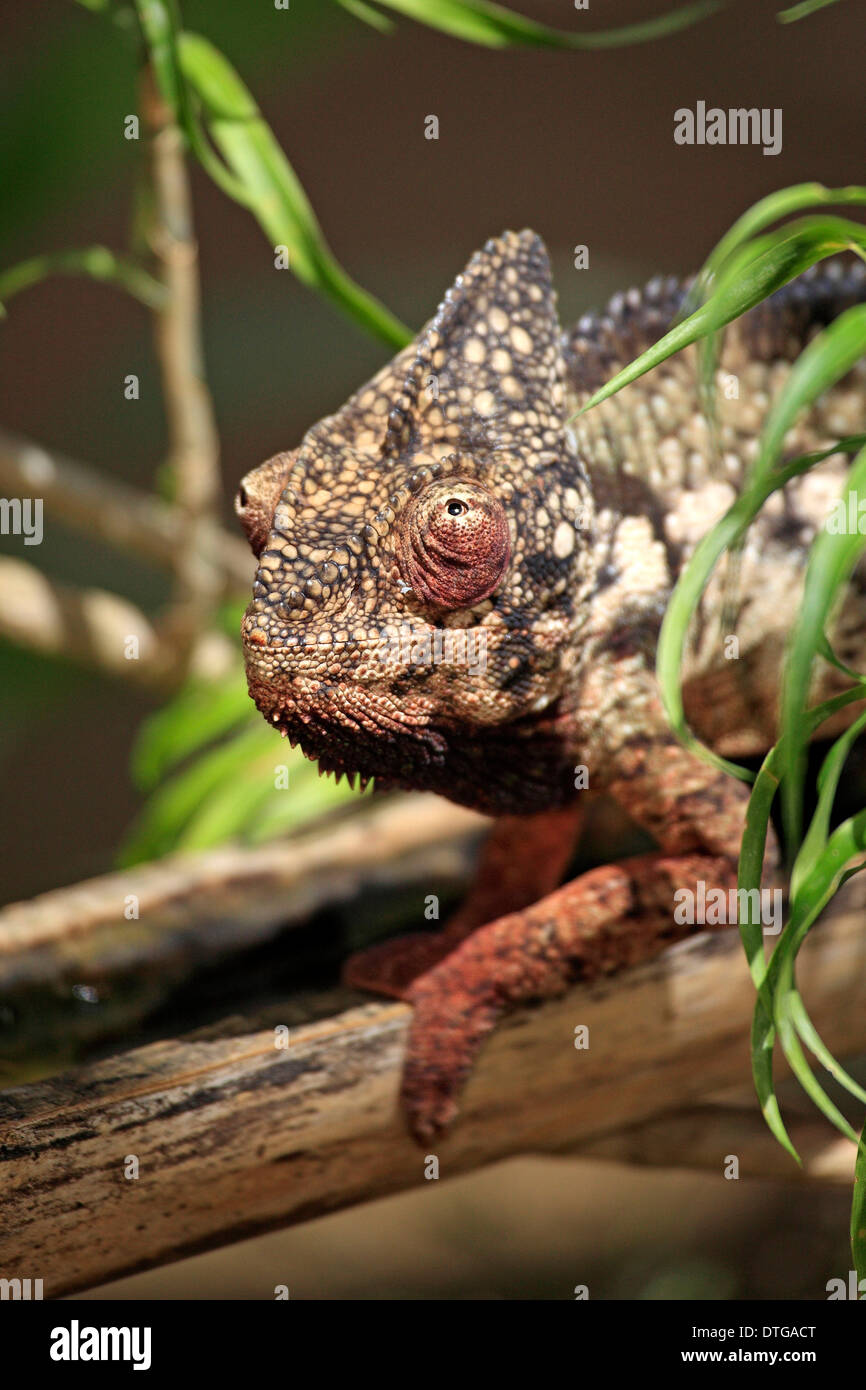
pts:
[96, 629]
[193, 442]
[122, 516]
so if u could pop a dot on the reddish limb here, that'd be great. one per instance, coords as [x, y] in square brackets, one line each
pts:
[612, 917]
[609, 918]
[523, 859]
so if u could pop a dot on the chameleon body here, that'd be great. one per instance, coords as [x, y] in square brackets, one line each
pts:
[460, 591]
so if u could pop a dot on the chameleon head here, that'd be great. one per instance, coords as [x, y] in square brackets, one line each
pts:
[423, 553]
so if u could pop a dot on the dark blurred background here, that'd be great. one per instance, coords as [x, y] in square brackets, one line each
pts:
[577, 145]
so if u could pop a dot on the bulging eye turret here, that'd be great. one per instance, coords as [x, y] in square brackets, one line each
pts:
[453, 544]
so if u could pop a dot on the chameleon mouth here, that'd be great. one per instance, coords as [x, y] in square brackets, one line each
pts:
[350, 731]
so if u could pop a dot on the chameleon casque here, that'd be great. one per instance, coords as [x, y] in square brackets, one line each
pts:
[450, 496]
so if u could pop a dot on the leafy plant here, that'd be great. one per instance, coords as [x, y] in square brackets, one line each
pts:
[747, 265]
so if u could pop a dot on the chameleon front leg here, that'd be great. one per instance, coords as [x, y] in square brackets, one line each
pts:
[613, 916]
[523, 859]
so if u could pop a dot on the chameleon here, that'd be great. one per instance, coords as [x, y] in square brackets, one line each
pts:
[460, 587]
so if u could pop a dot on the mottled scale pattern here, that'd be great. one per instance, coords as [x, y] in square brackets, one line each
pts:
[601, 511]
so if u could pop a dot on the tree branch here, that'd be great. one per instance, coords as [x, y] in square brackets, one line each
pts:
[123, 517]
[289, 1133]
[97, 629]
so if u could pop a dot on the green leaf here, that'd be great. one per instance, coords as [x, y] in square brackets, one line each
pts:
[754, 840]
[691, 584]
[170, 809]
[271, 188]
[695, 577]
[817, 836]
[202, 712]
[832, 557]
[807, 1031]
[858, 1210]
[799, 1065]
[481, 22]
[826, 651]
[806, 7]
[229, 790]
[762, 1041]
[160, 26]
[233, 803]
[749, 876]
[789, 1015]
[97, 262]
[754, 279]
[761, 215]
[370, 16]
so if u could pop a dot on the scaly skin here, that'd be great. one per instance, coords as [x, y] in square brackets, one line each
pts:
[450, 500]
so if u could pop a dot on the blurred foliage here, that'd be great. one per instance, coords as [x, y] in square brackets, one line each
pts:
[213, 770]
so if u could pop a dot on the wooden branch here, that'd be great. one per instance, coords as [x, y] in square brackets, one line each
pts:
[130, 940]
[95, 628]
[233, 1135]
[123, 517]
[230, 898]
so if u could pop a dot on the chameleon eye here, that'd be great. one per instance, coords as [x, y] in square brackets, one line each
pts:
[453, 545]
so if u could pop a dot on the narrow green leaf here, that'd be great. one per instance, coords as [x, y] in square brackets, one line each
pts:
[369, 15]
[762, 214]
[815, 1043]
[200, 713]
[806, 7]
[858, 1210]
[749, 876]
[756, 279]
[233, 803]
[168, 811]
[762, 1041]
[481, 22]
[832, 556]
[288, 811]
[826, 651]
[817, 835]
[687, 592]
[754, 839]
[799, 1064]
[271, 188]
[160, 28]
[97, 262]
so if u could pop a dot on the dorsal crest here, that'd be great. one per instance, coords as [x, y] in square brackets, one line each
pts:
[487, 369]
